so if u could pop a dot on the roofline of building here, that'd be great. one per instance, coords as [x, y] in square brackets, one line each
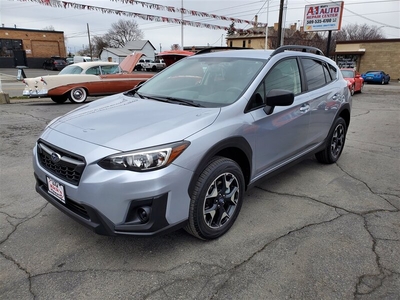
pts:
[368, 41]
[31, 30]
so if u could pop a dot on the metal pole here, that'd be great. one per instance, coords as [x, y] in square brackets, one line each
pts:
[266, 28]
[329, 43]
[283, 23]
[182, 24]
[280, 23]
[90, 45]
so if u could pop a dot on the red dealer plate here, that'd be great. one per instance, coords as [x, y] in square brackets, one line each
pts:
[56, 189]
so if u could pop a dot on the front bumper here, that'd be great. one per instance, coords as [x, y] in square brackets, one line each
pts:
[110, 202]
[91, 218]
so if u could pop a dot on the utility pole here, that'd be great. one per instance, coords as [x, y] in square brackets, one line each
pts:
[90, 45]
[280, 23]
[266, 28]
[182, 24]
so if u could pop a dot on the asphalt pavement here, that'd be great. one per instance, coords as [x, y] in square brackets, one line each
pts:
[312, 232]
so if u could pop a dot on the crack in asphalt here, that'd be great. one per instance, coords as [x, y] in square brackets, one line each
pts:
[368, 187]
[10, 258]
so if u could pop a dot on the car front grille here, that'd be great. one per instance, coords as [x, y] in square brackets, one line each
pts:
[61, 163]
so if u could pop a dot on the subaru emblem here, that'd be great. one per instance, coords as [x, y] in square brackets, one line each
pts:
[55, 157]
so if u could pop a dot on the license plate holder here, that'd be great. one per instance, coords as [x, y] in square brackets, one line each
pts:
[56, 189]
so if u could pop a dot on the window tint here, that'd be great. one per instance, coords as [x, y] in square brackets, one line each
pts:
[71, 69]
[110, 69]
[314, 73]
[332, 71]
[93, 71]
[326, 73]
[284, 75]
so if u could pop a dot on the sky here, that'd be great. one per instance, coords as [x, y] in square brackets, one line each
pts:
[30, 14]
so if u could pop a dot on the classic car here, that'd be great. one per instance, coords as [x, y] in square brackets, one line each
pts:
[78, 81]
[376, 77]
[354, 80]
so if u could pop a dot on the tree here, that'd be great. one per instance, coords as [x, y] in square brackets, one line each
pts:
[175, 47]
[98, 43]
[355, 32]
[49, 28]
[122, 32]
[231, 30]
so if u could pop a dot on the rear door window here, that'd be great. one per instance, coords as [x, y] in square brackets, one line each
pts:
[315, 73]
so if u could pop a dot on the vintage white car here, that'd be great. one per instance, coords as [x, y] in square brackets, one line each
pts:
[78, 81]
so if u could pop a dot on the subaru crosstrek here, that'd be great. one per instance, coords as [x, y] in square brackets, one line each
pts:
[181, 149]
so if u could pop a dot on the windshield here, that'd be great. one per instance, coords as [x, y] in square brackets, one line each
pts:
[374, 72]
[71, 69]
[347, 73]
[202, 80]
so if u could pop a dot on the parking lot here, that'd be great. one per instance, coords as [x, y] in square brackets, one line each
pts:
[312, 232]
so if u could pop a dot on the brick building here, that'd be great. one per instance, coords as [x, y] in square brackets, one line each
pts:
[28, 47]
[367, 55]
[255, 37]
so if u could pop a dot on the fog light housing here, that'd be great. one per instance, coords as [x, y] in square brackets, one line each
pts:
[144, 214]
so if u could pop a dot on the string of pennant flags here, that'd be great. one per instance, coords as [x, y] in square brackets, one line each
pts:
[188, 12]
[66, 4]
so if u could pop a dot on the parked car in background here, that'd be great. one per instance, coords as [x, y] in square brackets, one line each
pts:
[156, 65]
[69, 60]
[141, 64]
[376, 77]
[78, 58]
[79, 80]
[354, 80]
[54, 63]
[182, 149]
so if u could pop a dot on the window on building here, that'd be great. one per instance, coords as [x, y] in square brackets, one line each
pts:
[7, 46]
[244, 44]
[230, 44]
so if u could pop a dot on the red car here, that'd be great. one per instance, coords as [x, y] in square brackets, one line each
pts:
[354, 80]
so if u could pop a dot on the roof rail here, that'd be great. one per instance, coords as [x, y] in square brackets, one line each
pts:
[297, 48]
[217, 49]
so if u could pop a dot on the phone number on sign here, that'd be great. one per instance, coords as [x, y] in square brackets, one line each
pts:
[321, 21]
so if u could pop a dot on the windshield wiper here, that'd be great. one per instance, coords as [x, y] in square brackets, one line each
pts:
[184, 101]
[174, 100]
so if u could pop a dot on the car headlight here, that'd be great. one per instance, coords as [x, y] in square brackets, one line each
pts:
[146, 159]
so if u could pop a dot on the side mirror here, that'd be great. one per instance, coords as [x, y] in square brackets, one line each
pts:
[278, 98]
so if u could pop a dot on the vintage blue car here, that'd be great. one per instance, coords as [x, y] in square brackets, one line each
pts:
[376, 77]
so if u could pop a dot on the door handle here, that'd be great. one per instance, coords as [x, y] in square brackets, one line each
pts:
[305, 108]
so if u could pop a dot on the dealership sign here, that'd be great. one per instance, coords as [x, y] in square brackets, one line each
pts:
[325, 16]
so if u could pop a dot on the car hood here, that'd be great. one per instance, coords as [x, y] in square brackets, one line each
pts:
[126, 123]
[129, 62]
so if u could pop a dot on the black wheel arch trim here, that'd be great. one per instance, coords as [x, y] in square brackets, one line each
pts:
[220, 149]
[344, 112]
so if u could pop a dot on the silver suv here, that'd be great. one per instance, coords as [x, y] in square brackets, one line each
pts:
[182, 149]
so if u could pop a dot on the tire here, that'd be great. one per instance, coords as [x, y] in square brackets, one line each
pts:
[154, 68]
[214, 207]
[78, 95]
[383, 81]
[59, 99]
[352, 90]
[334, 144]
